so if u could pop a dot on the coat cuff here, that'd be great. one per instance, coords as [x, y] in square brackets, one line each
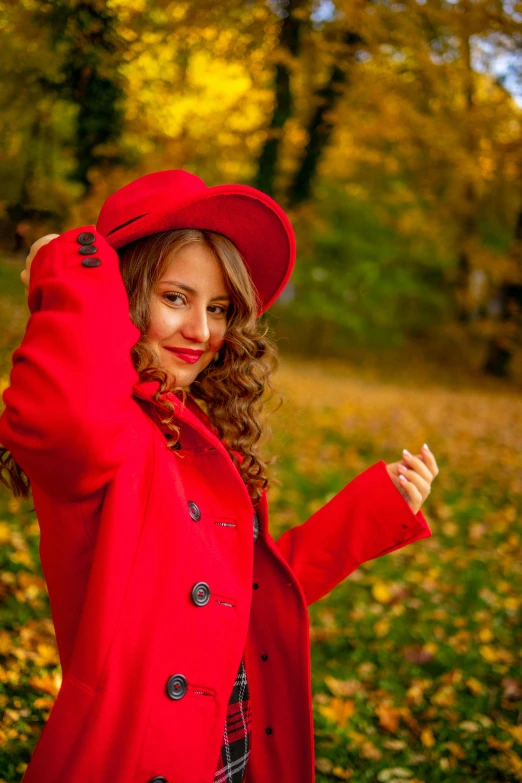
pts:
[365, 520]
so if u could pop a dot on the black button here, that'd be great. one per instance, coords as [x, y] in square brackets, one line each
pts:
[194, 511]
[264, 657]
[255, 586]
[200, 594]
[158, 779]
[268, 730]
[175, 446]
[86, 238]
[176, 686]
[91, 262]
[87, 250]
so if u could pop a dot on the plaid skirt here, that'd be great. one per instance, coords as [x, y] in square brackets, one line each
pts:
[233, 756]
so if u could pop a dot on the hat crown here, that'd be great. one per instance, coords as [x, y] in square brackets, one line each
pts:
[141, 195]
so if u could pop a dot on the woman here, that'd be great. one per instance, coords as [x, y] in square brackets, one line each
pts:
[134, 411]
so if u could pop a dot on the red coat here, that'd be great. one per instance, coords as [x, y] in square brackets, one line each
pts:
[121, 551]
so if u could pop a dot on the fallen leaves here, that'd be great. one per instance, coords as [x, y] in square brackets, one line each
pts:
[48, 684]
[389, 717]
[338, 710]
[427, 738]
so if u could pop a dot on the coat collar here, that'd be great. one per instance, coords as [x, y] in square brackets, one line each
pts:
[190, 413]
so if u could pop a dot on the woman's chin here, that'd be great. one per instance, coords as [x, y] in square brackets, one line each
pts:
[180, 377]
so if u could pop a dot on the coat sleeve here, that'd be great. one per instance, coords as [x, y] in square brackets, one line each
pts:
[365, 520]
[69, 405]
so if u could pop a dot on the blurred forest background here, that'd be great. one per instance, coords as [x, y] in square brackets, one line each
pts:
[382, 127]
[390, 131]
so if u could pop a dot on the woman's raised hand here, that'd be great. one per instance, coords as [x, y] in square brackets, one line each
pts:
[35, 247]
[413, 476]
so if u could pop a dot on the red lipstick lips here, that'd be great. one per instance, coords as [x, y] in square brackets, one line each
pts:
[186, 354]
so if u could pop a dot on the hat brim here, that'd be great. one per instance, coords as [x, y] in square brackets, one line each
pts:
[254, 222]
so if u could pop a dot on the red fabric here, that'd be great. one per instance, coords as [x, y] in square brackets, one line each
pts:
[121, 554]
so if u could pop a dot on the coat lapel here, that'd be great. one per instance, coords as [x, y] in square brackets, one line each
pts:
[189, 414]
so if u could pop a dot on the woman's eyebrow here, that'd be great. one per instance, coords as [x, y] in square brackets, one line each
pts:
[192, 290]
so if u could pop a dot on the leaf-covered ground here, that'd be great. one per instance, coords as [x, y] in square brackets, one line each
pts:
[417, 670]
[417, 662]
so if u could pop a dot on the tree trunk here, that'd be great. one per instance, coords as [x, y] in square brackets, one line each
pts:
[469, 222]
[321, 124]
[500, 347]
[92, 82]
[289, 44]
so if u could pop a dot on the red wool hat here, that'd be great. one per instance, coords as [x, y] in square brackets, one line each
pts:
[166, 200]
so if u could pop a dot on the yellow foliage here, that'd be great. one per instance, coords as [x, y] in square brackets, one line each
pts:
[456, 750]
[381, 592]
[47, 684]
[47, 654]
[342, 774]
[338, 710]
[369, 751]
[475, 686]
[427, 738]
[444, 697]
[485, 634]
[342, 687]
[389, 716]
[515, 764]
[5, 643]
[516, 732]
[381, 627]
[24, 558]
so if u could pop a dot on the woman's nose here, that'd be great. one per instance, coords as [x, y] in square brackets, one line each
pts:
[195, 325]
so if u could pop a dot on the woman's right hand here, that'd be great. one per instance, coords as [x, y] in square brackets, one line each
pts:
[35, 247]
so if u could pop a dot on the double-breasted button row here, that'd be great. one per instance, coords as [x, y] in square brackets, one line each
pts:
[85, 240]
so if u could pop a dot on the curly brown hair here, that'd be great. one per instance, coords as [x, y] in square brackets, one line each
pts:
[233, 390]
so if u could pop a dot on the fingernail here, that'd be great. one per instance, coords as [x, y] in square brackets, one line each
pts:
[425, 446]
[405, 451]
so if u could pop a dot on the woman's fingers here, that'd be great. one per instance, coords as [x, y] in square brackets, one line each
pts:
[414, 495]
[418, 472]
[421, 484]
[429, 459]
[419, 465]
[35, 247]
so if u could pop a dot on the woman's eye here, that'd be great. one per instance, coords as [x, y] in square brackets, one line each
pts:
[170, 296]
[220, 309]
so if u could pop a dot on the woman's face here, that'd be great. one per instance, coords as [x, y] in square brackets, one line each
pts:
[189, 312]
